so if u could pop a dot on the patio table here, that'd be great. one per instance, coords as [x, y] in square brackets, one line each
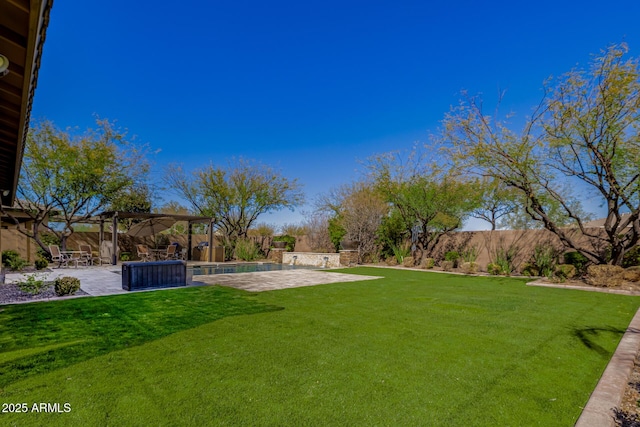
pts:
[73, 256]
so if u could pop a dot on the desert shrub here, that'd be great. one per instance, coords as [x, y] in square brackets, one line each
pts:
[632, 257]
[408, 261]
[470, 254]
[33, 284]
[605, 275]
[529, 269]
[428, 263]
[544, 259]
[563, 272]
[452, 256]
[469, 267]
[400, 251]
[578, 260]
[41, 264]
[289, 240]
[631, 274]
[66, 285]
[8, 256]
[446, 265]
[247, 250]
[13, 260]
[505, 259]
[392, 261]
[493, 268]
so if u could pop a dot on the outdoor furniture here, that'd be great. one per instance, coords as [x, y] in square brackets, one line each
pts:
[143, 253]
[145, 275]
[75, 257]
[87, 255]
[58, 256]
[106, 252]
[170, 253]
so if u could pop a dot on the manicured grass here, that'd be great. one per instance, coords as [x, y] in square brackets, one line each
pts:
[413, 348]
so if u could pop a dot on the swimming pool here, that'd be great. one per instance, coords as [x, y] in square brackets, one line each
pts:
[198, 270]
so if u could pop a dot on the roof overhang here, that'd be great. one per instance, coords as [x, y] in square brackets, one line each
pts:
[23, 26]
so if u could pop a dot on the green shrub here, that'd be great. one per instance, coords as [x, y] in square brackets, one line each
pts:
[452, 256]
[564, 272]
[579, 261]
[247, 250]
[33, 284]
[504, 258]
[400, 251]
[493, 268]
[289, 240]
[632, 257]
[529, 269]
[544, 259]
[12, 259]
[9, 255]
[66, 285]
[41, 264]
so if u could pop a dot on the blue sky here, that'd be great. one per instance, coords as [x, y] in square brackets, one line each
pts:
[307, 87]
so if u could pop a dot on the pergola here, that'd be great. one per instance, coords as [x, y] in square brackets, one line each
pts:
[114, 216]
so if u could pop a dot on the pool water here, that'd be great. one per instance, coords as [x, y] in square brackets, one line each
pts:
[244, 268]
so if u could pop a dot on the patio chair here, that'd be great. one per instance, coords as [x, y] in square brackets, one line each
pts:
[171, 252]
[63, 259]
[143, 253]
[59, 257]
[87, 255]
[106, 252]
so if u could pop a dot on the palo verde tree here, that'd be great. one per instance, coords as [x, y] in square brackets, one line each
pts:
[430, 204]
[235, 196]
[581, 142]
[73, 177]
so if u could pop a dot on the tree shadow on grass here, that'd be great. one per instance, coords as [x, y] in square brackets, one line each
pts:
[42, 337]
[589, 336]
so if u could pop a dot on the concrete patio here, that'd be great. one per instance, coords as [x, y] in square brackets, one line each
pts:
[107, 279]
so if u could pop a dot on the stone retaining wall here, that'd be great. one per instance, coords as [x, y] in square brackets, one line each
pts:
[312, 258]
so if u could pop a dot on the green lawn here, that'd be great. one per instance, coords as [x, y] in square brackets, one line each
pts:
[414, 348]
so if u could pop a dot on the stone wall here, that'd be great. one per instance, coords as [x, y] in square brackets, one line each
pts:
[311, 258]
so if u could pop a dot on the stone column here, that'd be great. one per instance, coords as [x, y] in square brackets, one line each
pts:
[276, 255]
[348, 257]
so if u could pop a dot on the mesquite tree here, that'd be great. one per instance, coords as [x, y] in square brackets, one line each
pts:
[581, 142]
